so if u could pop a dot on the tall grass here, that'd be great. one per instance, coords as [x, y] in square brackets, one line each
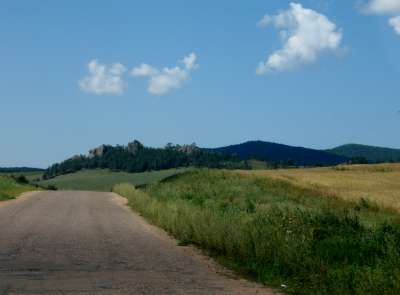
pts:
[10, 188]
[278, 233]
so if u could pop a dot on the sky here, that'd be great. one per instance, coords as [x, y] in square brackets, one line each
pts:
[77, 74]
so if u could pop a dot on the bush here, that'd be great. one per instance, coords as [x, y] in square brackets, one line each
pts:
[52, 187]
[21, 179]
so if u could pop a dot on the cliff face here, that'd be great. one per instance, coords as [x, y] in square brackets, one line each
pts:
[99, 151]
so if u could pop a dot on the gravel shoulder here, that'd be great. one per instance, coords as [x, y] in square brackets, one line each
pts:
[92, 243]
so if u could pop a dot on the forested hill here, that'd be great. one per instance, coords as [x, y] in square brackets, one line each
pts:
[19, 169]
[135, 157]
[280, 153]
[371, 154]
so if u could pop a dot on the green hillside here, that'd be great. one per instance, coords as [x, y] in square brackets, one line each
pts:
[104, 180]
[372, 154]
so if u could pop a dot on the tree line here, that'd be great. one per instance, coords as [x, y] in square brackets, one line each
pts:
[137, 158]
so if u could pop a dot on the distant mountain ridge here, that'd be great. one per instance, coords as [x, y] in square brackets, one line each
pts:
[373, 154]
[281, 153]
[135, 157]
[19, 169]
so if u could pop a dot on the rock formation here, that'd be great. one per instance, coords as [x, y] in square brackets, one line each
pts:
[135, 146]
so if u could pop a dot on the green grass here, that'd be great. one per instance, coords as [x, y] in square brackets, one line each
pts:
[31, 176]
[277, 232]
[9, 188]
[104, 180]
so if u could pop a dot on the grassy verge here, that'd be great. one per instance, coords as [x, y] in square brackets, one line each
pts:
[10, 188]
[104, 180]
[279, 233]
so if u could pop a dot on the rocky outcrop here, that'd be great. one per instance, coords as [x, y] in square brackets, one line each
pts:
[99, 151]
[135, 146]
[188, 148]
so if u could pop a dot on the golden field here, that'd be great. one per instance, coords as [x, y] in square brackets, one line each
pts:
[379, 183]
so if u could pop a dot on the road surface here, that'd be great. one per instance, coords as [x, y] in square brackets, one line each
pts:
[92, 243]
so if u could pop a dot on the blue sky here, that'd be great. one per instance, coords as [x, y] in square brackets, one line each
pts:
[345, 92]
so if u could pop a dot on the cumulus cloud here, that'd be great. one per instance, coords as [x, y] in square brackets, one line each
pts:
[395, 23]
[144, 70]
[382, 7]
[166, 80]
[190, 61]
[305, 34]
[103, 79]
[385, 7]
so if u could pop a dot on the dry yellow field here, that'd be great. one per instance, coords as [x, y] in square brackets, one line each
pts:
[379, 183]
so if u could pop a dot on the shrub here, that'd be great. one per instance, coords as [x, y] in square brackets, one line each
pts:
[21, 179]
[52, 187]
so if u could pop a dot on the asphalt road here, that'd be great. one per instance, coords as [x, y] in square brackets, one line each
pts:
[92, 243]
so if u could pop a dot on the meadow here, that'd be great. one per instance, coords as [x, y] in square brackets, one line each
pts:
[33, 176]
[284, 229]
[104, 180]
[378, 183]
[10, 188]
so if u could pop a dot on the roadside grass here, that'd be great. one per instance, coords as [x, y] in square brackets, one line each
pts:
[277, 232]
[34, 176]
[10, 188]
[104, 180]
[378, 183]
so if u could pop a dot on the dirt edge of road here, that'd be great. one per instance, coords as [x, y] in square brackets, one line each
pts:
[20, 198]
[193, 251]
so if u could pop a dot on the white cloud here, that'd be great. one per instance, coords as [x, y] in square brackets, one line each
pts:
[190, 61]
[103, 79]
[265, 21]
[305, 34]
[385, 7]
[144, 70]
[164, 81]
[382, 7]
[167, 80]
[395, 23]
